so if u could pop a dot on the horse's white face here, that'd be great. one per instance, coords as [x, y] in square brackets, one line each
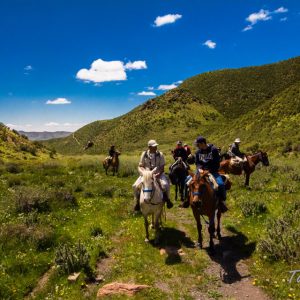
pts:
[147, 183]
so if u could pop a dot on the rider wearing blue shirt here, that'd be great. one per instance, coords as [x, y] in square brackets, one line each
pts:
[208, 158]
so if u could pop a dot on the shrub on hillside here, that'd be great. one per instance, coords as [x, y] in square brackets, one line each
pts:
[73, 258]
[282, 237]
[31, 199]
[252, 207]
[38, 236]
[13, 168]
[29, 149]
[28, 199]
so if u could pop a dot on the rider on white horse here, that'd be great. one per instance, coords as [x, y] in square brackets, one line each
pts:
[150, 159]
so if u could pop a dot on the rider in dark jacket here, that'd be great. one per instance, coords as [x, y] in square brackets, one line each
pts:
[208, 158]
[179, 151]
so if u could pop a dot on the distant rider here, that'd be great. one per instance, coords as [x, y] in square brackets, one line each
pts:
[235, 153]
[150, 159]
[179, 152]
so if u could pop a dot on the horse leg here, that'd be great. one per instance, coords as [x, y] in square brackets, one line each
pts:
[156, 226]
[199, 227]
[211, 230]
[219, 224]
[176, 191]
[146, 229]
[247, 180]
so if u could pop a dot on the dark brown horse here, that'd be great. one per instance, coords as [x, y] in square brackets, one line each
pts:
[204, 202]
[248, 166]
[112, 163]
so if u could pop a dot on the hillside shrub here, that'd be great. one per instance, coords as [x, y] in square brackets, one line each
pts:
[13, 168]
[72, 258]
[31, 199]
[252, 207]
[28, 148]
[282, 237]
[39, 236]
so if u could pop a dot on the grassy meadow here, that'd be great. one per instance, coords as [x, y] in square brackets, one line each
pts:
[64, 214]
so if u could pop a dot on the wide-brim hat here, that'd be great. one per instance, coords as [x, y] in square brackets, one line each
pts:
[237, 140]
[152, 143]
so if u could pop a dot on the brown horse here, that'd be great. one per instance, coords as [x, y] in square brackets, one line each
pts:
[204, 202]
[248, 166]
[112, 163]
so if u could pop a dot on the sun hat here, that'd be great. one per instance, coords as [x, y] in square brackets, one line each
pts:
[152, 143]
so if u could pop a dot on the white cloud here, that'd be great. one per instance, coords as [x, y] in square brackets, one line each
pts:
[105, 71]
[143, 93]
[150, 88]
[136, 65]
[263, 15]
[210, 44]
[51, 124]
[179, 82]
[280, 10]
[19, 127]
[166, 87]
[167, 19]
[28, 68]
[249, 27]
[59, 101]
[283, 19]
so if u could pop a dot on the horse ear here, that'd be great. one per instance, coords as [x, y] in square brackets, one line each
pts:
[141, 170]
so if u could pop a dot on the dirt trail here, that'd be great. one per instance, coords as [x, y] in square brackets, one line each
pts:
[228, 270]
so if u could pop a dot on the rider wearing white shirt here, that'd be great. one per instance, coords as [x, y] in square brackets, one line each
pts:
[151, 159]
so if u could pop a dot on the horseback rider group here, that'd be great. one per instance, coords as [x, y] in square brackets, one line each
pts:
[207, 159]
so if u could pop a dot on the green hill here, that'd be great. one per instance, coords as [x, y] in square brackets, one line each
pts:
[14, 146]
[247, 102]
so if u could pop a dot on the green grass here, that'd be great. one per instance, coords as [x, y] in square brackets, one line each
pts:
[103, 221]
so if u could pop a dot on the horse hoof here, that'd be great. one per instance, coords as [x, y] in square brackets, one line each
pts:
[146, 240]
[219, 236]
[199, 245]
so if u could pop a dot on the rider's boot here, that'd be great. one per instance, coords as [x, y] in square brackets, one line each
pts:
[222, 205]
[167, 200]
[137, 204]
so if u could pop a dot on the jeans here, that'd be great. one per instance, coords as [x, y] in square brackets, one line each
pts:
[221, 189]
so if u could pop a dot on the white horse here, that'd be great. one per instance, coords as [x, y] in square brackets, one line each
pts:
[151, 201]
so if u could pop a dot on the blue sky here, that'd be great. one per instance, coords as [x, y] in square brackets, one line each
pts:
[64, 63]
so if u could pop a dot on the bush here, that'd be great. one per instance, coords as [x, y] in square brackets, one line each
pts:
[13, 181]
[31, 199]
[13, 168]
[252, 207]
[108, 192]
[282, 238]
[29, 149]
[73, 258]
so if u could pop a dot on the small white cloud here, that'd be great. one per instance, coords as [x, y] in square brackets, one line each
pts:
[19, 127]
[210, 44]
[262, 15]
[179, 82]
[166, 87]
[105, 71]
[59, 101]
[280, 10]
[51, 124]
[283, 19]
[143, 93]
[28, 68]
[249, 27]
[167, 19]
[136, 65]
[150, 88]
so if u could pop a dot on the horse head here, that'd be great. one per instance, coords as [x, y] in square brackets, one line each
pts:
[148, 186]
[264, 158]
[197, 188]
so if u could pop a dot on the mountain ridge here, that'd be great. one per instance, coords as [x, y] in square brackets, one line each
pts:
[212, 104]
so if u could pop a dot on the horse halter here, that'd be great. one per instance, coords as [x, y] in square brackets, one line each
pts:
[148, 191]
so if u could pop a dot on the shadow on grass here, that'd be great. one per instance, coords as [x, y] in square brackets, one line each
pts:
[171, 240]
[229, 252]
